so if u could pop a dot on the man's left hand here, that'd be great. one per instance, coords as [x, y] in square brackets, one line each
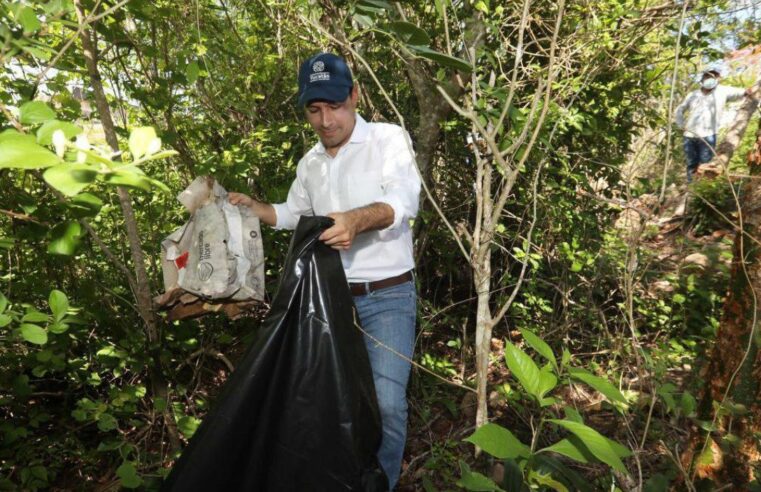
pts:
[342, 233]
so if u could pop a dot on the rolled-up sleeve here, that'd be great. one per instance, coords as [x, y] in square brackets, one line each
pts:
[296, 205]
[400, 181]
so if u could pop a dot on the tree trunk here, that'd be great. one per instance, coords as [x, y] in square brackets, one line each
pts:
[731, 456]
[142, 284]
[735, 133]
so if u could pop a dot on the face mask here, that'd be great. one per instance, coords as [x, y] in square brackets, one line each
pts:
[709, 83]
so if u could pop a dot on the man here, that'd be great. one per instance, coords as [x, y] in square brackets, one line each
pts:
[704, 108]
[363, 176]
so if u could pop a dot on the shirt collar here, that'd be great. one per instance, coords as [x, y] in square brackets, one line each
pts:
[358, 134]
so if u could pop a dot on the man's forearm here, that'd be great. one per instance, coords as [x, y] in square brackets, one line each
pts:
[372, 217]
[264, 211]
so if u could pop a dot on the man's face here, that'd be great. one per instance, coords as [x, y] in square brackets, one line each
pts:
[333, 121]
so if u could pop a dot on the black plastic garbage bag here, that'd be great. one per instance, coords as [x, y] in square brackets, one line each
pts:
[299, 413]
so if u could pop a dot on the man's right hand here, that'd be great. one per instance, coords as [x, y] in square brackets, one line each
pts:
[240, 199]
[264, 211]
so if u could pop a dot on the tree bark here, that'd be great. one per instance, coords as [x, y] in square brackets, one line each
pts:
[731, 455]
[142, 283]
[726, 148]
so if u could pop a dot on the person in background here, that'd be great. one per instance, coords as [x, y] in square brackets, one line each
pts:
[363, 175]
[700, 116]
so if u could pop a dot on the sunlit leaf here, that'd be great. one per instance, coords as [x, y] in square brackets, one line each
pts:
[45, 132]
[140, 140]
[33, 112]
[70, 179]
[596, 443]
[59, 304]
[33, 334]
[498, 442]
[23, 153]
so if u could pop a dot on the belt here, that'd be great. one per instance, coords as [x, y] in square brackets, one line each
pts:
[364, 288]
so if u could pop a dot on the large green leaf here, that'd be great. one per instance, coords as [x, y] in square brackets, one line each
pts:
[129, 176]
[3, 302]
[24, 153]
[70, 179]
[550, 464]
[573, 448]
[128, 476]
[59, 304]
[140, 141]
[28, 19]
[11, 134]
[33, 334]
[597, 443]
[476, 481]
[410, 33]
[524, 370]
[192, 71]
[85, 205]
[498, 442]
[33, 112]
[45, 132]
[602, 385]
[539, 345]
[188, 425]
[442, 59]
[65, 238]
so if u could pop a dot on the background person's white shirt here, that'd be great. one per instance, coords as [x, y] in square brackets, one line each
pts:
[375, 165]
[704, 111]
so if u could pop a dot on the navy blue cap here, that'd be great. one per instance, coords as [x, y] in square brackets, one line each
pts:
[324, 77]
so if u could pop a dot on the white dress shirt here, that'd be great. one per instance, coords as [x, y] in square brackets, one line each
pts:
[375, 165]
[704, 111]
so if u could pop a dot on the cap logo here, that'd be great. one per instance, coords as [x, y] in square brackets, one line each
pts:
[319, 74]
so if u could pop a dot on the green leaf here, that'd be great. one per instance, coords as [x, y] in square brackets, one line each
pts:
[58, 328]
[475, 481]
[524, 370]
[5, 320]
[33, 334]
[573, 448]
[129, 176]
[127, 473]
[66, 237]
[566, 358]
[33, 112]
[573, 415]
[410, 33]
[442, 59]
[188, 425]
[140, 141]
[550, 464]
[107, 422]
[540, 346]
[598, 444]
[35, 316]
[546, 480]
[602, 385]
[59, 304]
[3, 302]
[85, 205]
[192, 71]
[70, 179]
[498, 442]
[547, 382]
[23, 153]
[28, 19]
[45, 132]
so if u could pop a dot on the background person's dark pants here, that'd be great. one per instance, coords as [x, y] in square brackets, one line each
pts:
[698, 151]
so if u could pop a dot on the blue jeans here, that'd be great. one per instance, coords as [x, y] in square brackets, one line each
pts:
[389, 315]
[698, 151]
